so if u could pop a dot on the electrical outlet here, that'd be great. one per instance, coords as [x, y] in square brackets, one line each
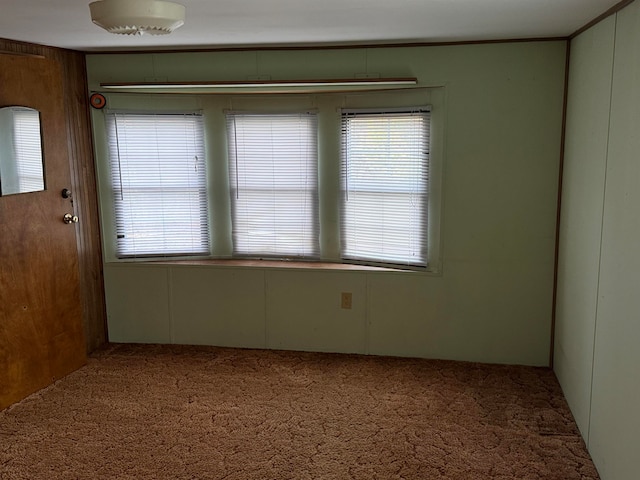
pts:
[345, 300]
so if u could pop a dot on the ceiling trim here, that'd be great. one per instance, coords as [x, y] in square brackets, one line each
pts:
[342, 46]
[615, 9]
[21, 54]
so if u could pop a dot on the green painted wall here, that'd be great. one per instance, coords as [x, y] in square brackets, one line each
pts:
[581, 216]
[500, 115]
[598, 324]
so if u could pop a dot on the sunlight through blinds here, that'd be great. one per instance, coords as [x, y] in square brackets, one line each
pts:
[273, 162]
[159, 184]
[28, 149]
[385, 168]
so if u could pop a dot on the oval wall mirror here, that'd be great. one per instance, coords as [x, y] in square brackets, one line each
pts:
[21, 162]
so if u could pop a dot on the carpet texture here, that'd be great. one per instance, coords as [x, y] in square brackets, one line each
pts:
[168, 412]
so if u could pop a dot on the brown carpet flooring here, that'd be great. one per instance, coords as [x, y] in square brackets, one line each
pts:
[162, 412]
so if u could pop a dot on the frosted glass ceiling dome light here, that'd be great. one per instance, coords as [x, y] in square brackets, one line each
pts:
[135, 17]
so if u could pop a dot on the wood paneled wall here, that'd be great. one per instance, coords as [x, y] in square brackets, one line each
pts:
[83, 181]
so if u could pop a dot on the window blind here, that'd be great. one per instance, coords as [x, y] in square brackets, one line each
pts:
[159, 184]
[27, 147]
[273, 162]
[385, 168]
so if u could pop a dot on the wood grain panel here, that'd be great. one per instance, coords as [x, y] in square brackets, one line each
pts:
[83, 184]
[41, 334]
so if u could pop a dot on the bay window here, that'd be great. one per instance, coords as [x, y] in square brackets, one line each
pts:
[332, 181]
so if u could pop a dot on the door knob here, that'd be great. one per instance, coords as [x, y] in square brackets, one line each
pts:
[68, 218]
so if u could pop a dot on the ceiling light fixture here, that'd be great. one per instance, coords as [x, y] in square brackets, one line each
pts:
[135, 17]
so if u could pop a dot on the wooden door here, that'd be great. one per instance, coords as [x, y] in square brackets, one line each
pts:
[41, 333]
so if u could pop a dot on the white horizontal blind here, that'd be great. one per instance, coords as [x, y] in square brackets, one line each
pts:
[385, 168]
[28, 149]
[273, 164]
[158, 177]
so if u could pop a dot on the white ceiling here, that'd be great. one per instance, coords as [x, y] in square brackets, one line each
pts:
[249, 23]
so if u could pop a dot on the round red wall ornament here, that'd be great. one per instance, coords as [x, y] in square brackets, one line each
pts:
[97, 100]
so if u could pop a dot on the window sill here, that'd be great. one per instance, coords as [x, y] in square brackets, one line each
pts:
[276, 264]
